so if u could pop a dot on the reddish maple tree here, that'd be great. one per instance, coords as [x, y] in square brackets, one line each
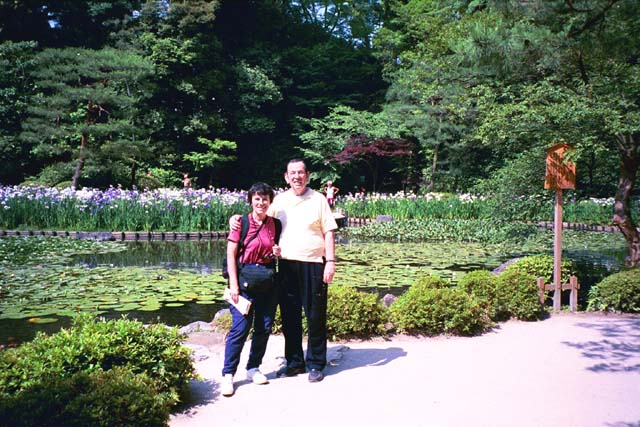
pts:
[362, 148]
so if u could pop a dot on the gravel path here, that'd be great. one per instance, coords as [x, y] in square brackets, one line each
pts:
[578, 370]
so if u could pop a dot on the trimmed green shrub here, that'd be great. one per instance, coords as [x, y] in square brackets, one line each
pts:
[434, 282]
[484, 286]
[112, 398]
[619, 292]
[353, 313]
[100, 345]
[428, 310]
[350, 313]
[518, 291]
[542, 266]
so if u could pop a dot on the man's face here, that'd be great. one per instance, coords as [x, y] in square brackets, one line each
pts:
[297, 177]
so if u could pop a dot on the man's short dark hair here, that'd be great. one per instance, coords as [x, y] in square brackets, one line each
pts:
[297, 161]
[262, 189]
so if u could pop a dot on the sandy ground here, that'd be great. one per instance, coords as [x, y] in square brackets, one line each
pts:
[578, 370]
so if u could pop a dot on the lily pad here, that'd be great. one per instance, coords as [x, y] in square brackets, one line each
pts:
[42, 320]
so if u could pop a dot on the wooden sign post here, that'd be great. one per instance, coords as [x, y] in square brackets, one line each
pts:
[559, 176]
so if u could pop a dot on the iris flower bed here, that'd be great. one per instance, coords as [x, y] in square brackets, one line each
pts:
[166, 209]
[465, 206]
[116, 209]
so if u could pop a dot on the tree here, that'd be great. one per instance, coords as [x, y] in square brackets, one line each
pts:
[562, 71]
[326, 138]
[213, 157]
[16, 64]
[372, 152]
[63, 23]
[85, 110]
[428, 97]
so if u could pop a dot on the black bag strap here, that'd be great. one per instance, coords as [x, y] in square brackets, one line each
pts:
[243, 234]
[278, 230]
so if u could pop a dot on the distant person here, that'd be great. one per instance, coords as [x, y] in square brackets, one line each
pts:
[186, 181]
[363, 192]
[259, 247]
[331, 191]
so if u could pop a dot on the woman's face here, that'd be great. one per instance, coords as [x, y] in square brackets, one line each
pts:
[260, 204]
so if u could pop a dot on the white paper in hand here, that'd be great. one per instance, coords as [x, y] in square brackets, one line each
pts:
[243, 305]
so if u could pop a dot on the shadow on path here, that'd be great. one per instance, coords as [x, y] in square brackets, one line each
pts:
[623, 424]
[198, 393]
[342, 358]
[619, 351]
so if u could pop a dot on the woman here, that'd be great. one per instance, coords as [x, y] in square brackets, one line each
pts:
[259, 247]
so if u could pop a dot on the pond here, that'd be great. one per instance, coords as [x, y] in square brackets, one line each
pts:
[189, 272]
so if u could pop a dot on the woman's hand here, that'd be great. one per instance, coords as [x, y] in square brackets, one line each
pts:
[234, 290]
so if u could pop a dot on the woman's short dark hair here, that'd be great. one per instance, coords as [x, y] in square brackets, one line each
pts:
[262, 189]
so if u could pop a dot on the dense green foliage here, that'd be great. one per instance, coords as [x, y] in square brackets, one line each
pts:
[116, 397]
[518, 295]
[100, 345]
[619, 292]
[220, 82]
[427, 308]
[485, 231]
[210, 83]
[96, 370]
[484, 286]
[352, 313]
[542, 266]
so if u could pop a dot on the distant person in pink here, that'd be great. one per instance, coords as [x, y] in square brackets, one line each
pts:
[331, 191]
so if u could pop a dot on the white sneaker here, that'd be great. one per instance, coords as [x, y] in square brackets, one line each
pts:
[256, 376]
[226, 385]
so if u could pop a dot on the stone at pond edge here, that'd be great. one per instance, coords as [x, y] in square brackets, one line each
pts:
[388, 299]
[221, 313]
[504, 265]
[198, 326]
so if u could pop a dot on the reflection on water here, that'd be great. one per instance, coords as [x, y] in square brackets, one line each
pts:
[205, 257]
[199, 256]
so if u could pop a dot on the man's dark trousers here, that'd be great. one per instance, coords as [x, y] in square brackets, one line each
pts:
[301, 286]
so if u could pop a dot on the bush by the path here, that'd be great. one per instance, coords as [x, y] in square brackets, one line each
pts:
[518, 294]
[353, 313]
[89, 349]
[542, 266]
[116, 397]
[428, 307]
[618, 292]
[350, 314]
[484, 286]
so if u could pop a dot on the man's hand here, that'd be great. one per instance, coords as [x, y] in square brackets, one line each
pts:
[329, 271]
[235, 222]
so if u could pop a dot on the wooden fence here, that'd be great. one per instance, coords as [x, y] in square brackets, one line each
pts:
[573, 286]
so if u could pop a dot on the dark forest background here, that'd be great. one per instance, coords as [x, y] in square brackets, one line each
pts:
[392, 95]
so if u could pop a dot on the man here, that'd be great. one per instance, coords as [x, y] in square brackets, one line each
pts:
[306, 268]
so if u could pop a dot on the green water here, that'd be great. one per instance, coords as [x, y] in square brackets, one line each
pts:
[374, 267]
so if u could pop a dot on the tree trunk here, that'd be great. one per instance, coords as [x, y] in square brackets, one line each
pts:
[434, 168]
[80, 164]
[628, 148]
[134, 172]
